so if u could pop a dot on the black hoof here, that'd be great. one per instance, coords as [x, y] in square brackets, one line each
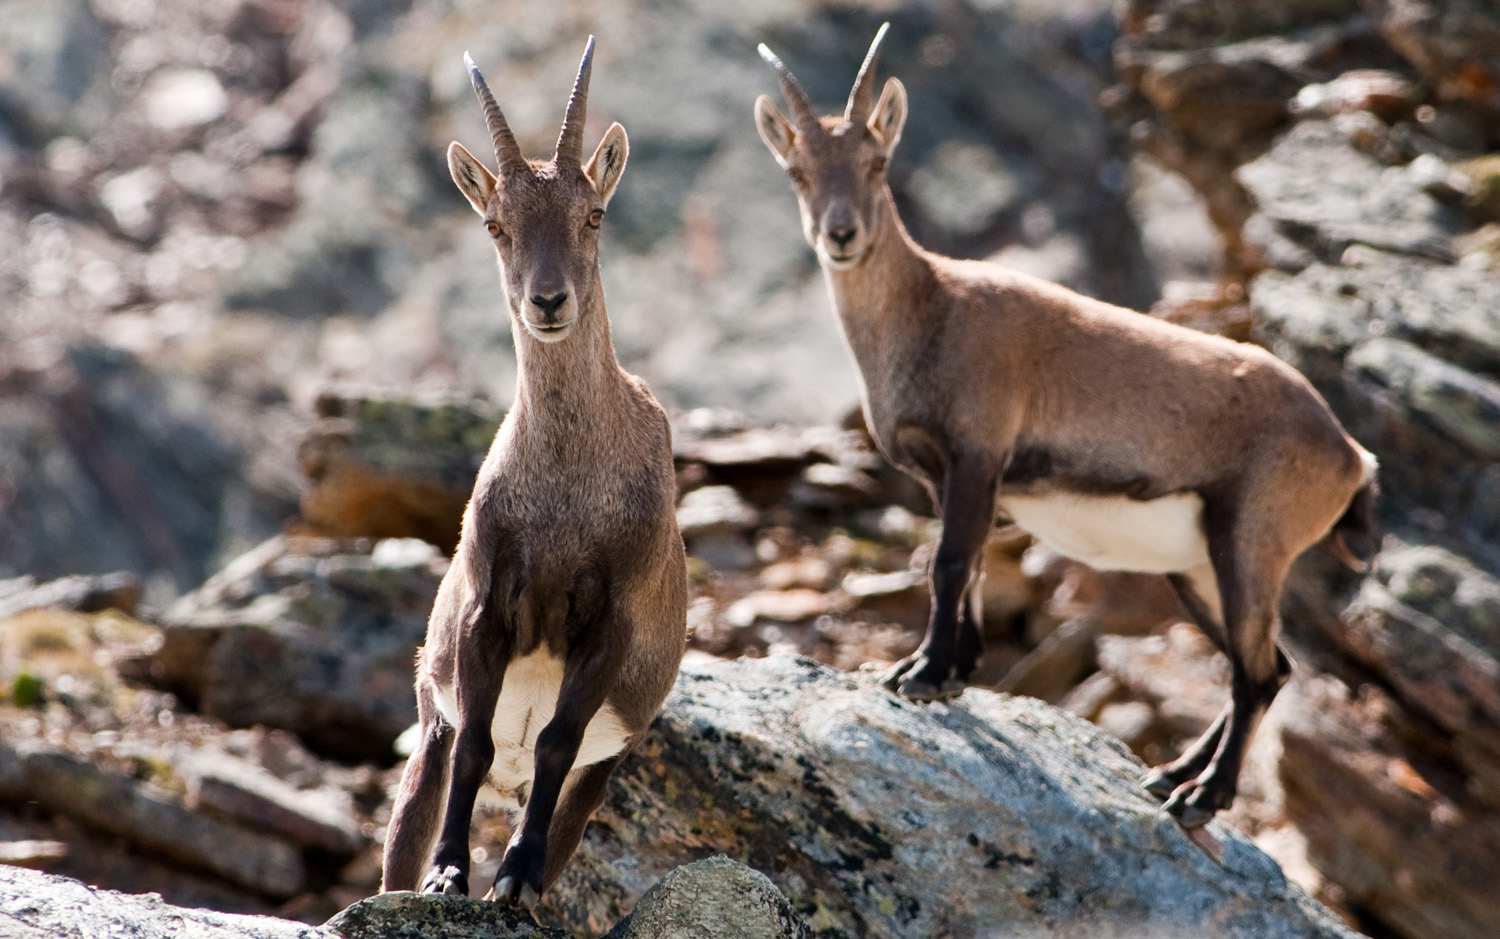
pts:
[890, 679]
[446, 880]
[1160, 783]
[1192, 805]
[918, 690]
[508, 890]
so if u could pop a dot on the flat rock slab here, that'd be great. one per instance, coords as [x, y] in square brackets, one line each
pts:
[989, 815]
[405, 914]
[34, 905]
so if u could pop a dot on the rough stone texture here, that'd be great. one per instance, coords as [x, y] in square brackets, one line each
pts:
[1206, 86]
[408, 915]
[34, 905]
[62, 783]
[1389, 769]
[250, 200]
[1318, 193]
[307, 635]
[714, 898]
[83, 593]
[128, 459]
[386, 467]
[1453, 44]
[879, 817]
[254, 798]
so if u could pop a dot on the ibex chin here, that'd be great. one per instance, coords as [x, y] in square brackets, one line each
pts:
[1120, 440]
[560, 625]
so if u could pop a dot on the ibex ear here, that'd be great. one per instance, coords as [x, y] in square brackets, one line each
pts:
[890, 114]
[473, 180]
[608, 162]
[775, 130]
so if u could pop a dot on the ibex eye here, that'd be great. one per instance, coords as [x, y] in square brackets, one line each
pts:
[595, 217]
[877, 165]
[798, 177]
[493, 227]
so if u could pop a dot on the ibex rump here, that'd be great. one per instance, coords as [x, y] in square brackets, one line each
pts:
[559, 628]
[1122, 441]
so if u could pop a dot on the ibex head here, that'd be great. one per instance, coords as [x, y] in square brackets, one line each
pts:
[544, 217]
[837, 164]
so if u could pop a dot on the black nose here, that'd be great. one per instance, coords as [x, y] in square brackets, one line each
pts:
[842, 236]
[548, 305]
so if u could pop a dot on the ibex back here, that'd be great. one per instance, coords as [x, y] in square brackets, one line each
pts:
[558, 629]
[1122, 441]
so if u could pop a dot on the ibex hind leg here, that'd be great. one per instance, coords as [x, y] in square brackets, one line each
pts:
[1163, 780]
[1250, 571]
[420, 800]
[582, 794]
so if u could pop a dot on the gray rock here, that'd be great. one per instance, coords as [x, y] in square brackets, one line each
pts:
[34, 905]
[65, 784]
[714, 898]
[1454, 45]
[388, 467]
[1408, 352]
[875, 816]
[316, 637]
[408, 915]
[86, 594]
[254, 798]
[1317, 194]
[56, 50]
[132, 461]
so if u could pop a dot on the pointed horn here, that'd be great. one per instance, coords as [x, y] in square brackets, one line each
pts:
[570, 141]
[507, 151]
[791, 89]
[858, 110]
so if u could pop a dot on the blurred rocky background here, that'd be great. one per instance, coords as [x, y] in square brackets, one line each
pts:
[252, 351]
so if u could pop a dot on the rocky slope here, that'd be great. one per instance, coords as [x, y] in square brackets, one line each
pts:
[212, 210]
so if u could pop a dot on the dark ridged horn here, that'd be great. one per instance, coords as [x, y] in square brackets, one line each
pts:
[858, 110]
[570, 141]
[507, 151]
[791, 89]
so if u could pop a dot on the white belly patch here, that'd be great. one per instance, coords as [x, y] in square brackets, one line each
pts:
[1114, 533]
[528, 699]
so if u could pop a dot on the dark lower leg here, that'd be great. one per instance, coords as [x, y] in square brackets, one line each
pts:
[473, 754]
[419, 804]
[968, 512]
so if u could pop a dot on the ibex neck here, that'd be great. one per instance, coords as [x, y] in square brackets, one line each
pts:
[566, 379]
[877, 299]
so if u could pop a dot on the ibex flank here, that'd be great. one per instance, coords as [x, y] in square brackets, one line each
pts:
[1120, 440]
[560, 625]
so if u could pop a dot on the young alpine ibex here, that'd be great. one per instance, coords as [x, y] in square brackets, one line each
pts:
[559, 628]
[1120, 440]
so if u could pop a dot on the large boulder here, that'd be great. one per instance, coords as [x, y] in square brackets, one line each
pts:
[34, 905]
[881, 817]
[314, 636]
[1379, 295]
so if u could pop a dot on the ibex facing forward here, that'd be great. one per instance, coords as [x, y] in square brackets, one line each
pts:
[1120, 440]
[558, 629]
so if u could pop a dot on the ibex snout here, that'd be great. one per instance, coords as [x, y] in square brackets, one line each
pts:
[839, 239]
[550, 314]
[548, 304]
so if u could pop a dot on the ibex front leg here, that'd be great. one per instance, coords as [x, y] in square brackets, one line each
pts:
[590, 673]
[941, 663]
[419, 804]
[477, 677]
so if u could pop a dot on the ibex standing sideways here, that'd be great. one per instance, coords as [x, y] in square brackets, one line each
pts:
[559, 628]
[1120, 440]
